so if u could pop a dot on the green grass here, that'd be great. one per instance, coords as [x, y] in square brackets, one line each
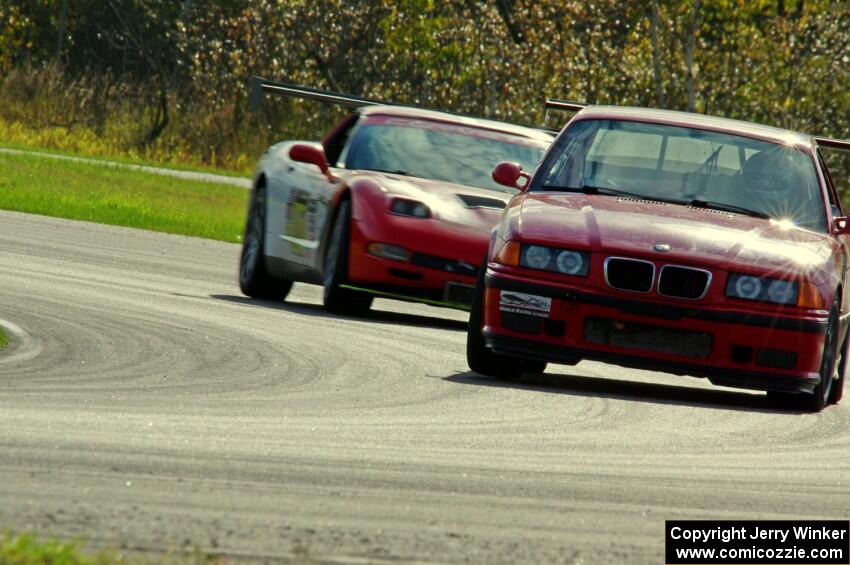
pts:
[4, 340]
[84, 143]
[27, 549]
[110, 195]
[124, 159]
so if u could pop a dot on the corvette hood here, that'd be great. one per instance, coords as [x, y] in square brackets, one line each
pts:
[466, 207]
[694, 235]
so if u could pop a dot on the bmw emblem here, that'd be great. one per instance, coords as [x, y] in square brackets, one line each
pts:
[662, 247]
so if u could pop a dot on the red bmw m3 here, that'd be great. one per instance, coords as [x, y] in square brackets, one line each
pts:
[675, 242]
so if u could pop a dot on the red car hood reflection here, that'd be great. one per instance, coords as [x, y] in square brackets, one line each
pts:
[468, 208]
[696, 236]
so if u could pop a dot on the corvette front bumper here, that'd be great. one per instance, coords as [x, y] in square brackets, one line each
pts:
[441, 268]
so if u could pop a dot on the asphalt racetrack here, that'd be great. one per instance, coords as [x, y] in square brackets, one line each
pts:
[145, 404]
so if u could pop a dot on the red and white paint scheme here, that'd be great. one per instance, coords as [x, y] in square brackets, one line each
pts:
[395, 202]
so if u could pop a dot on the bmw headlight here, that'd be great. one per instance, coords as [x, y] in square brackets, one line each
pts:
[763, 289]
[404, 207]
[782, 292]
[536, 257]
[570, 262]
[565, 261]
[748, 287]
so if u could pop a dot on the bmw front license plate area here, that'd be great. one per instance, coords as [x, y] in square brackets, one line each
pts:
[528, 304]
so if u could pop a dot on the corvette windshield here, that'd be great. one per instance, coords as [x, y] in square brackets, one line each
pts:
[687, 166]
[439, 151]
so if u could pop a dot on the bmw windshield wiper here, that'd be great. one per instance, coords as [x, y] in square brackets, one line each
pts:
[696, 203]
[590, 189]
[391, 171]
[593, 189]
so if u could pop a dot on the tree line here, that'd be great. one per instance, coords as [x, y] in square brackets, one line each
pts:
[171, 76]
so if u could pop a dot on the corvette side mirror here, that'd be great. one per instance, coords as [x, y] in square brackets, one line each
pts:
[313, 155]
[841, 226]
[508, 174]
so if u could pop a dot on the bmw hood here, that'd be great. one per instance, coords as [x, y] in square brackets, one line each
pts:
[689, 235]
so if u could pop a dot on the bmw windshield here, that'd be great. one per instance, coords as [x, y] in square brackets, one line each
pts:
[686, 166]
[439, 151]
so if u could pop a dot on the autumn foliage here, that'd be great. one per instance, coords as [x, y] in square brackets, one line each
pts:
[168, 78]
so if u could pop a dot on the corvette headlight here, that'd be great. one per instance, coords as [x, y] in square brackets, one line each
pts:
[763, 289]
[404, 207]
[565, 261]
[388, 251]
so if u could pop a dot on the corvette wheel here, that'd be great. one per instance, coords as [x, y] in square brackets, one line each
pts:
[338, 299]
[832, 366]
[254, 280]
[478, 357]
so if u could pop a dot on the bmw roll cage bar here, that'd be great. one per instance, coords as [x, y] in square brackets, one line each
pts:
[569, 106]
[261, 86]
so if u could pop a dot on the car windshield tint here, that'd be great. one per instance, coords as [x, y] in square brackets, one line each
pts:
[439, 151]
[686, 165]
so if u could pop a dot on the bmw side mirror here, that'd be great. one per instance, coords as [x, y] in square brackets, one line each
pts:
[312, 155]
[509, 174]
[841, 226]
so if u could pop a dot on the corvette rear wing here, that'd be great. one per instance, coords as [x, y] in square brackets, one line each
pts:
[261, 86]
[564, 105]
[838, 144]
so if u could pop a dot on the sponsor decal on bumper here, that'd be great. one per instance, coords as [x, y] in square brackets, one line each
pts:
[521, 303]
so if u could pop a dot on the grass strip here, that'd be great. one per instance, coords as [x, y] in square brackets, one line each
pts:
[138, 199]
[82, 142]
[4, 339]
[27, 549]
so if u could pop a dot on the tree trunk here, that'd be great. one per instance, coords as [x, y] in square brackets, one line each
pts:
[506, 11]
[656, 62]
[162, 119]
[63, 19]
[690, 42]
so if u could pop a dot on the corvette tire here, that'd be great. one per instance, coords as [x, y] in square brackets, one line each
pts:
[480, 359]
[254, 280]
[336, 298]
